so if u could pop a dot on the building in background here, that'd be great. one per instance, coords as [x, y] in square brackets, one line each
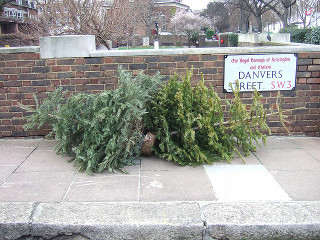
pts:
[15, 15]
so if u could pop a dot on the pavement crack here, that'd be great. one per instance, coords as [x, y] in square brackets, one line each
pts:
[204, 222]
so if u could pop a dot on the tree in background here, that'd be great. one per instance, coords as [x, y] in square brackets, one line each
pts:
[2, 3]
[189, 23]
[282, 8]
[254, 7]
[218, 12]
[305, 10]
[105, 21]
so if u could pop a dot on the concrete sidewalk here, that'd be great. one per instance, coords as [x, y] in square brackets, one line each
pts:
[276, 194]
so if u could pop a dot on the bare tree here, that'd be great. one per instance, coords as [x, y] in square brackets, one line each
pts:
[218, 12]
[304, 10]
[254, 7]
[105, 20]
[282, 8]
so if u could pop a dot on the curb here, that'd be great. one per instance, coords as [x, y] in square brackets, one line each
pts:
[162, 220]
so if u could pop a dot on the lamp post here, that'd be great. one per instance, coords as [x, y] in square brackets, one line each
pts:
[156, 42]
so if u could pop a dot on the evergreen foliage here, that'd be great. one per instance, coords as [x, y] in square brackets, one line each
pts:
[190, 128]
[100, 131]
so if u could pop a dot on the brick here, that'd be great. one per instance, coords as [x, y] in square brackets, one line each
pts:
[152, 59]
[15, 109]
[313, 105]
[69, 88]
[12, 90]
[303, 61]
[40, 69]
[41, 89]
[4, 115]
[11, 64]
[26, 70]
[28, 76]
[303, 74]
[313, 80]
[288, 93]
[65, 68]
[79, 61]
[94, 68]
[109, 67]
[209, 70]
[51, 62]
[12, 84]
[182, 58]
[137, 66]
[195, 64]
[66, 61]
[81, 68]
[64, 75]
[274, 124]
[108, 60]
[41, 83]
[94, 60]
[94, 74]
[315, 74]
[95, 87]
[18, 122]
[79, 81]
[152, 65]
[303, 55]
[20, 134]
[5, 103]
[181, 65]
[65, 82]
[26, 83]
[55, 82]
[166, 59]
[194, 58]
[316, 61]
[314, 55]
[11, 70]
[41, 62]
[302, 68]
[6, 57]
[314, 68]
[56, 68]
[51, 75]
[6, 128]
[138, 60]
[209, 57]
[16, 96]
[167, 65]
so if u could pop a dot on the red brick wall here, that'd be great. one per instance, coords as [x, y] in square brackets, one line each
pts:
[25, 74]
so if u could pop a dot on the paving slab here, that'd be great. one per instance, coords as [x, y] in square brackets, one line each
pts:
[14, 156]
[184, 184]
[244, 183]
[104, 187]
[293, 159]
[21, 143]
[301, 185]
[312, 143]
[119, 221]
[46, 161]
[35, 187]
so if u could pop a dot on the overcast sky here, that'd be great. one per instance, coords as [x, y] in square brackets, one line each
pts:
[196, 4]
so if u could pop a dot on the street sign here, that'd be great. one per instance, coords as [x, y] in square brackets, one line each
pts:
[270, 72]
